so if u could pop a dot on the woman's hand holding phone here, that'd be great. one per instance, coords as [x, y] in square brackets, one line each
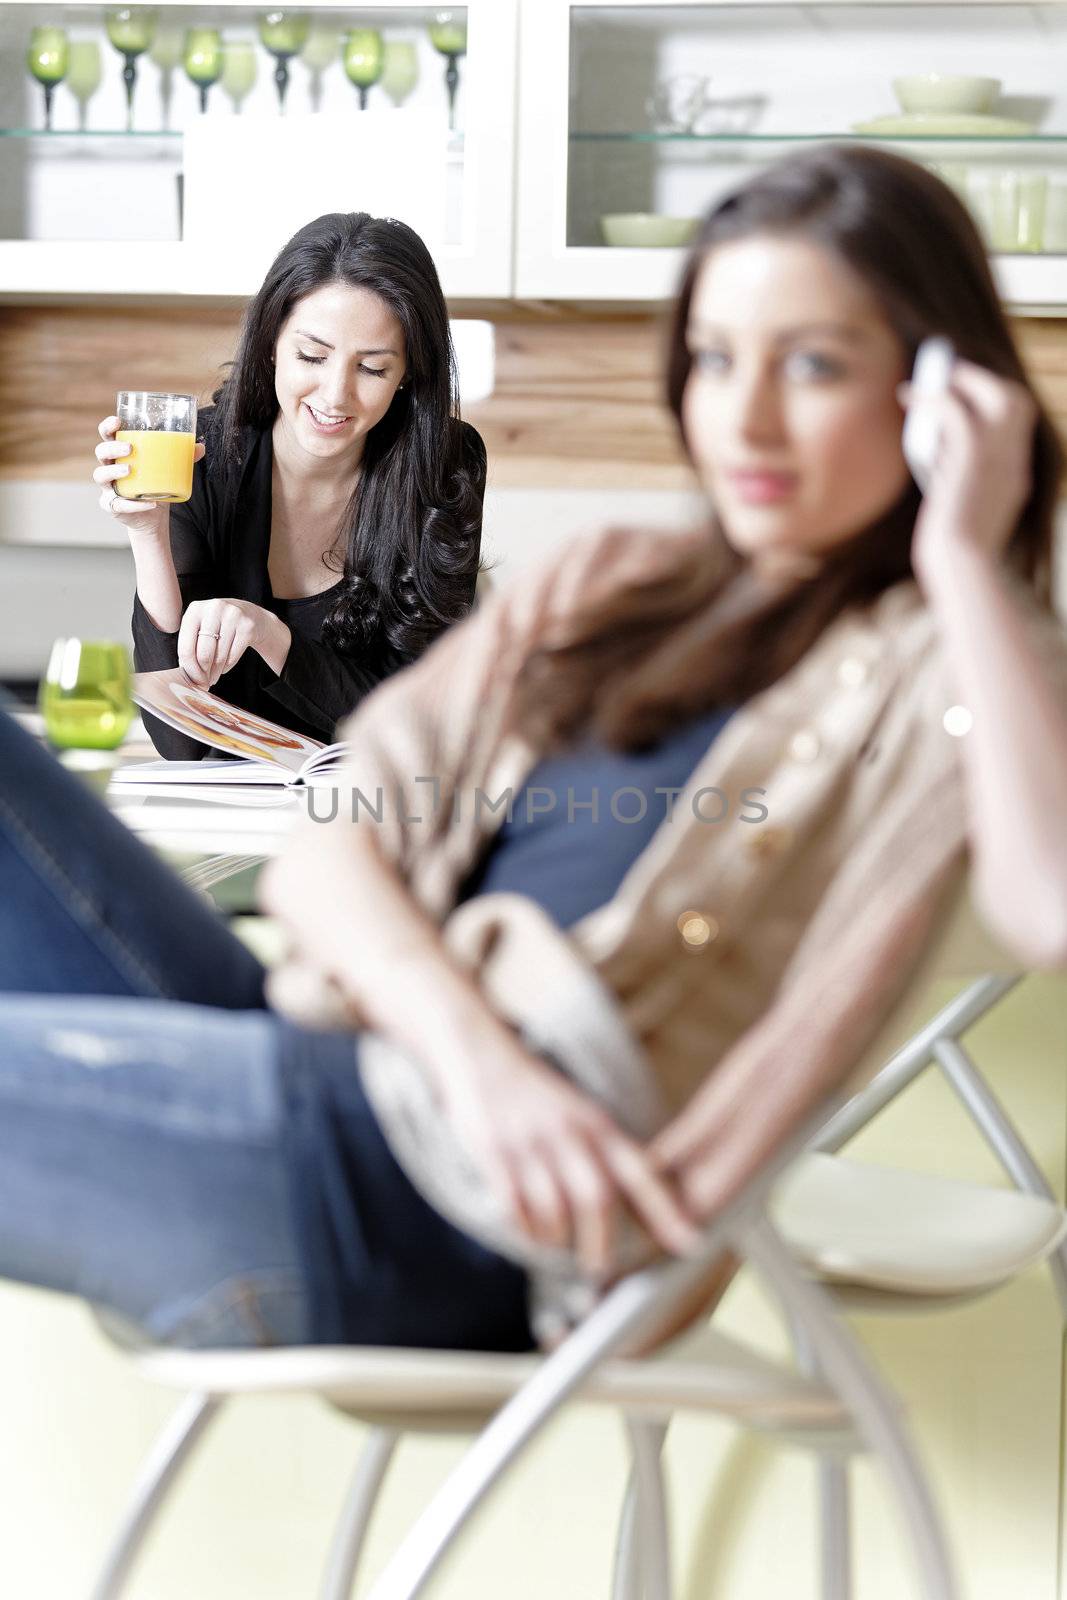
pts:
[980, 476]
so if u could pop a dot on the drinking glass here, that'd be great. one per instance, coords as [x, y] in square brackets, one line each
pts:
[364, 60]
[166, 53]
[284, 34]
[84, 696]
[238, 69]
[161, 432]
[47, 59]
[321, 51]
[448, 35]
[401, 71]
[203, 60]
[131, 30]
[83, 75]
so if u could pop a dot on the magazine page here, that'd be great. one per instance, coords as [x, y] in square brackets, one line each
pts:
[170, 697]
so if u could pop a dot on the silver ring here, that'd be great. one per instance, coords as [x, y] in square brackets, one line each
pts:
[114, 497]
[205, 635]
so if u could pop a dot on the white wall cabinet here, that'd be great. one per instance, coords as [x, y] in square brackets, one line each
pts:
[97, 210]
[613, 120]
[565, 115]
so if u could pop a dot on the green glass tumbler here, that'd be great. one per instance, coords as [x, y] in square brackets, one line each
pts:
[85, 695]
[284, 34]
[364, 60]
[47, 60]
[202, 60]
[131, 30]
[448, 35]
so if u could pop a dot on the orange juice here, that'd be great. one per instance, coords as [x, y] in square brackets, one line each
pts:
[161, 465]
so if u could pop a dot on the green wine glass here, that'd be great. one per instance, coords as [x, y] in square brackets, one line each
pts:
[321, 51]
[401, 72]
[239, 70]
[47, 59]
[284, 34]
[364, 60]
[203, 60]
[131, 30]
[84, 75]
[166, 53]
[448, 35]
[85, 695]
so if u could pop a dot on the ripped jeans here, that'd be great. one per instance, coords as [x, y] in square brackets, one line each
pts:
[171, 1150]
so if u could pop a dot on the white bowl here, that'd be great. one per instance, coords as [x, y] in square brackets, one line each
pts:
[643, 229]
[943, 91]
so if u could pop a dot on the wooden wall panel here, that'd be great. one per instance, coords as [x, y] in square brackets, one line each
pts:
[577, 404]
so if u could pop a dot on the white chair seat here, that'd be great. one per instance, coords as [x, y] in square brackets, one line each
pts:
[429, 1390]
[908, 1232]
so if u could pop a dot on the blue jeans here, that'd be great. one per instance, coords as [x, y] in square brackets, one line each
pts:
[171, 1150]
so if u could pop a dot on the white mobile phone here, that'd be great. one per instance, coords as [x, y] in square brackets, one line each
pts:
[934, 361]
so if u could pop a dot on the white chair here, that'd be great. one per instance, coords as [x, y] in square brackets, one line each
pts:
[789, 1227]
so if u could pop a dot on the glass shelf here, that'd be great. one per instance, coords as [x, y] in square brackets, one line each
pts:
[89, 133]
[1028, 140]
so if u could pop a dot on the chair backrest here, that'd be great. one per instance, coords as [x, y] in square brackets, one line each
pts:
[960, 950]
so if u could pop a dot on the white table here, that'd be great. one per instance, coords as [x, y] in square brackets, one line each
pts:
[224, 836]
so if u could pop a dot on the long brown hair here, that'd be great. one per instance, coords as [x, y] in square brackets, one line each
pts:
[708, 633]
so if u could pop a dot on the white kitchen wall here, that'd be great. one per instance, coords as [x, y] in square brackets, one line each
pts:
[65, 569]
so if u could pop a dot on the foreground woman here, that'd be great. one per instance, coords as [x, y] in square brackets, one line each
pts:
[676, 813]
[335, 523]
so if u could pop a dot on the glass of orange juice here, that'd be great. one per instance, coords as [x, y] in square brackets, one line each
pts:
[161, 432]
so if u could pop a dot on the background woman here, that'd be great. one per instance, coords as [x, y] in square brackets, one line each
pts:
[774, 689]
[335, 523]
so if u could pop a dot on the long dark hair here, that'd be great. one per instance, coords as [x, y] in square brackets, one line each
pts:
[704, 635]
[412, 529]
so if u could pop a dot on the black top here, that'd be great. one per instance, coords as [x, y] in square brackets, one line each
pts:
[584, 816]
[220, 540]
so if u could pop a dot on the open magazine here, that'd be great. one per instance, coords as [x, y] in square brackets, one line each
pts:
[261, 751]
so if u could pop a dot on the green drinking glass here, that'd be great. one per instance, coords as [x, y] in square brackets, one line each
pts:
[284, 34]
[364, 60]
[166, 54]
[318, 55]
[47, 59]
[85, 695]
[131, 30]
[448, 35]
[239, 70]
[83, 75]
[202, 60]
[401, 74]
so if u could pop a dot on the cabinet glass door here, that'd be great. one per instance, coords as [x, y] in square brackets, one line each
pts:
[277, 100]
[667, 107]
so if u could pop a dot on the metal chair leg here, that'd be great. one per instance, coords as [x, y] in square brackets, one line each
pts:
[835, 1529]
[850, 1375]
[835, 1546]
[625, 1583]
[166, 1459]
[351, 1531]
[646, 1442]
[630, 1308]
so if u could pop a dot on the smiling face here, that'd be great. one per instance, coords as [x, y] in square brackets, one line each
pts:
[339, 358]
[790, 410]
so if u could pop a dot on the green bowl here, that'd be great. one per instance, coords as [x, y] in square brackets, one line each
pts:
[644, 230]
[944, 91]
